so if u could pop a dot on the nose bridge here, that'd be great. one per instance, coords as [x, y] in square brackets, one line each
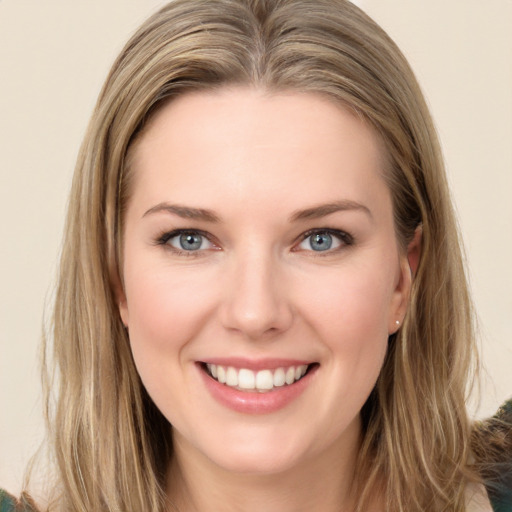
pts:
[256, 302]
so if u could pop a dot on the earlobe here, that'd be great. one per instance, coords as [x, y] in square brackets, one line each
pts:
[408, 268]
[123, 312]
[401, 297]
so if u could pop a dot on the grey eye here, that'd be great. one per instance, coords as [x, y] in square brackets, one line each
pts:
[190, 241]
[320, 241]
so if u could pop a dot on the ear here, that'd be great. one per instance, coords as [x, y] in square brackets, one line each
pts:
[123, 311]
[120, 297]
[414, 250]
[408, 266]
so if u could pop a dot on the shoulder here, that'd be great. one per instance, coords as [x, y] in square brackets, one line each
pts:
[7, 502]
[492, 447]
[505, 412]
[10, 504]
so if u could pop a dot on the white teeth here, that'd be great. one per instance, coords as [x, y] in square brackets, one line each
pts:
[231, 377]
[246, 379]
[290, 375]
[263, 380]
[279, 377]
[221, 374]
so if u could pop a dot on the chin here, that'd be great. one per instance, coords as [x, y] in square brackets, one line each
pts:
[254, 450]
[259, 463]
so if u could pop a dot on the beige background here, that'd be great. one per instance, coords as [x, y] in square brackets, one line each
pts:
[54, 55]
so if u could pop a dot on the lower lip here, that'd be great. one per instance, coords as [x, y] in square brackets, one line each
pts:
[254, 402]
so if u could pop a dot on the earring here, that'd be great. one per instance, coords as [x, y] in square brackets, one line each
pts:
[397, 322]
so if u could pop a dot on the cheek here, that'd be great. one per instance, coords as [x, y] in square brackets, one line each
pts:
[165, 310]
[349, 312]
[355, 301]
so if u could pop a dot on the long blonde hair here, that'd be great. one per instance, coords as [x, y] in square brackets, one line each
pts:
[111, 445]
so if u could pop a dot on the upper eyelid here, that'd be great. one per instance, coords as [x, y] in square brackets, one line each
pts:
[342, 234]
[164, 239]
[183, 231]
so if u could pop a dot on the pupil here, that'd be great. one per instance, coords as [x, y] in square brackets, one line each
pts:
[321, 242]
[190, 242]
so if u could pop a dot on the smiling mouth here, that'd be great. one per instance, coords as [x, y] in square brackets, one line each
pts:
[262, 381]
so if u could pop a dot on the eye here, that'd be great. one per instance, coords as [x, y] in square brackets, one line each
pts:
[186, 241]
[322, 240]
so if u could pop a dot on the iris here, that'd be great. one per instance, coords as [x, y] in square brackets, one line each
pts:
[320, 241]
[191, 241]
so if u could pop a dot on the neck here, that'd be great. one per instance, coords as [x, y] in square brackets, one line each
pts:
[323, 481]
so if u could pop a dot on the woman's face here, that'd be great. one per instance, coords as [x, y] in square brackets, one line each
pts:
[259, 244]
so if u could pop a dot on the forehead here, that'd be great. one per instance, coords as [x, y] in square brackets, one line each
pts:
[244, 144]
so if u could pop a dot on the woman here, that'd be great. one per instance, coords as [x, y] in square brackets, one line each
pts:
[261, 252]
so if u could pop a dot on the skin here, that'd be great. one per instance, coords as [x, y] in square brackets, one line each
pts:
[256, 289]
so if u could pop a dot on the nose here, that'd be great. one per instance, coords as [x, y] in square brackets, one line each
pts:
[256, 301]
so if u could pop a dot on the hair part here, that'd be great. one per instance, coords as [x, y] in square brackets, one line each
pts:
[112, 445]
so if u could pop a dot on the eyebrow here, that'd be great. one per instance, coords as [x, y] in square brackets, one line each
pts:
[315, 212]
[323, 210]
[186, 212]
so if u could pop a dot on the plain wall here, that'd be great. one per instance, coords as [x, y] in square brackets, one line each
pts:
[54, 56]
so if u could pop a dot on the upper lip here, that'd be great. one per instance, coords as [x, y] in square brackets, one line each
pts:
[256, 364]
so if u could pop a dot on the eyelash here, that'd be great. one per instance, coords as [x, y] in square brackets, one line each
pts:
[345, 238]
[165, 237]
